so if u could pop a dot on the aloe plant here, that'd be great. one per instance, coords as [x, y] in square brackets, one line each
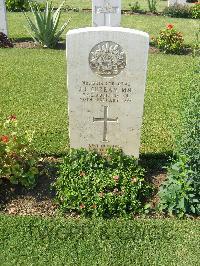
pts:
[44, 28]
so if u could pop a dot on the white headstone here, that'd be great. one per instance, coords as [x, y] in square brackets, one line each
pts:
[176, 2]
[106, 85]
[3, 22]
[106, 13]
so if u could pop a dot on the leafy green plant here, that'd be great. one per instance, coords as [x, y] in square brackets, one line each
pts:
[180, 193]
[177, 194]
[22, 5]
[45, 29]
[18, 161]
[96, 185]
[195, 10]
[152, 5]
[169, 41]
[17, 5]
[183, 11]
[135, 7]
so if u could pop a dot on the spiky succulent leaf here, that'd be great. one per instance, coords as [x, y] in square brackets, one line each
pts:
[45, 29]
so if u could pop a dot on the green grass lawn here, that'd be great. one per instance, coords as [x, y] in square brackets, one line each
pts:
[33, 85]
[150, 24]
[37, 241]
[161, 4]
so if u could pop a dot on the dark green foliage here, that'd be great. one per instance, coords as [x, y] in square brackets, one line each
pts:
[152, 5]
[108, 185]
[191, 1]
[22, 5]
[73, 242]
[177, 11]
[180, 194]
[4, 41]
[17, 5]
[183, 11]
[135, 7]
[177, 195]
[189, 135]
[195, 10]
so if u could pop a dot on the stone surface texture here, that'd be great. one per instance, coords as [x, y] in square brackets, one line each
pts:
[106, 13]
[174, 2]
[106, 85]
[3, 21]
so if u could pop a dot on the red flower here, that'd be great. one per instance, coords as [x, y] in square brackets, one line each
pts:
[170, 26]
[82, 206]
[116, 178]
[5, 139]
[13, 117]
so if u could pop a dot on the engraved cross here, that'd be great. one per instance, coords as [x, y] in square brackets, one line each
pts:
[105, 120]
[107, 10]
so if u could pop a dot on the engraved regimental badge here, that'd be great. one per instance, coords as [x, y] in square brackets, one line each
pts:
[107, 59]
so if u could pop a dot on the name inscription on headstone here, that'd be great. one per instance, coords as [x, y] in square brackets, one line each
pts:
[106, 91]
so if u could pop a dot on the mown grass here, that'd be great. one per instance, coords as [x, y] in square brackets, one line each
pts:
[150, 24]
[33, 86]
[161, 4]
[36, 241]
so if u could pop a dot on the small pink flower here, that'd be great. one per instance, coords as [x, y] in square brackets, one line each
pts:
[116, 178]
[82, 206]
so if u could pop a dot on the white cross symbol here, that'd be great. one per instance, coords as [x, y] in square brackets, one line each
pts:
[105, 120]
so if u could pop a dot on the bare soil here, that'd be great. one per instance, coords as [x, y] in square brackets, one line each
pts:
[60, 46]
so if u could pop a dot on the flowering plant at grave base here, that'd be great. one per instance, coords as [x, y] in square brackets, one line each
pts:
[169, 41]
[18, 161]
[107, 185]
[195, 10]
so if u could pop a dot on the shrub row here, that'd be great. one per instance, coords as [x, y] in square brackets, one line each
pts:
[183, 11]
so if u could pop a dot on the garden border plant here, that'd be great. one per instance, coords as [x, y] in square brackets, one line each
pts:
[169, 41]
[18, 160]
[107, 185]
[180, 193]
